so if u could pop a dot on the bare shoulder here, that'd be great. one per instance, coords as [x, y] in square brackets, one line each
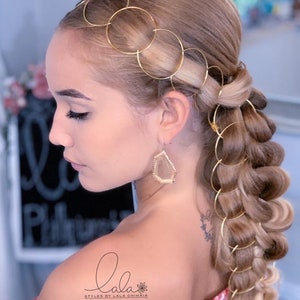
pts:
[142, 263]
[96, 271]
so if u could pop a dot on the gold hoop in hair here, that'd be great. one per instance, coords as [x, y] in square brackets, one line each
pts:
[85, 4]
[137, 51]
[237, 271]
[80, 3]
[236, 247]
[222, 78]
[220, 136]
[179, 64]
[218, 214]
[219, 160]
[212, 175]
[155, 30]
[213, 123]
[238, 292]
[205, 62]
[251, 104]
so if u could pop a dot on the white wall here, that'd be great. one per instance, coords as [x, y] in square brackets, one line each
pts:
[26, 27]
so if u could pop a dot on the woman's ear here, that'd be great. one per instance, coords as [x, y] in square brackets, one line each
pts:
[175, 112]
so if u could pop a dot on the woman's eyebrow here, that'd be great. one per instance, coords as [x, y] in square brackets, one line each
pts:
[72, 93]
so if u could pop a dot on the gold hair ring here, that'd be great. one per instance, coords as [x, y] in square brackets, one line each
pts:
[179, 63]
[236, 247]
[238, 292]
[156, 30]
[219, 215]
[251, 104]
[136, 52]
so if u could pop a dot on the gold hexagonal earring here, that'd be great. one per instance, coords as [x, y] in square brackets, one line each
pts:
[163, 170]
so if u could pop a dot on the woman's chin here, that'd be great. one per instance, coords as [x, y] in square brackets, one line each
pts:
[90, 186]
[94, 186]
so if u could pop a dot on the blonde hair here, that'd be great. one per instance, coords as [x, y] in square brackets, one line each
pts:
[253, 187]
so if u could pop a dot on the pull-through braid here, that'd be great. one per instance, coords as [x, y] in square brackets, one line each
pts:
[247, 183]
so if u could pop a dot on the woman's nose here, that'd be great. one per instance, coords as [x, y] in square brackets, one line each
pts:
[59, 134]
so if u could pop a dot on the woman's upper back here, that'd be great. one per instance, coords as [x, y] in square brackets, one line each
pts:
[155, 259]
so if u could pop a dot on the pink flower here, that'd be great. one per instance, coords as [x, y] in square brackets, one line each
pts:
[14, 105]
[16, 90]
[39, 85]
[14, 98]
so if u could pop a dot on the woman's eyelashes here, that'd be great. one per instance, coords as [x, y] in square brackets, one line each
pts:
[77, 116]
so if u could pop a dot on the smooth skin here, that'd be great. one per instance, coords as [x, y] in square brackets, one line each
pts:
[160, 251]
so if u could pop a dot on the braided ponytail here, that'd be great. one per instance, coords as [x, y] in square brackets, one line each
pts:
[247, 182]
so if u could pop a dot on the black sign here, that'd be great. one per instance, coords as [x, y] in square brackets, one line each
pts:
[55, 211]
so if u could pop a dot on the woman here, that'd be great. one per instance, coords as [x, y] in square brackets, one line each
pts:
[153, 92]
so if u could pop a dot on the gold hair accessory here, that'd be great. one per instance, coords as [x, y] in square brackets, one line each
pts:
[236, 247]
[164, 170]
[216, 129]
[240, 214]
[236, 269]
[155, 30]
[217, 208]
[118, 12]
[238, 292]
[251, 104]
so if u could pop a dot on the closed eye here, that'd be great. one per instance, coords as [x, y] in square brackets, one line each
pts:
[77, 116]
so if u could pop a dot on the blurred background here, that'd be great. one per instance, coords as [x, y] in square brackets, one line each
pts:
[271, 51]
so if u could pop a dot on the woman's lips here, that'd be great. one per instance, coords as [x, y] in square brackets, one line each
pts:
[75, 166]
